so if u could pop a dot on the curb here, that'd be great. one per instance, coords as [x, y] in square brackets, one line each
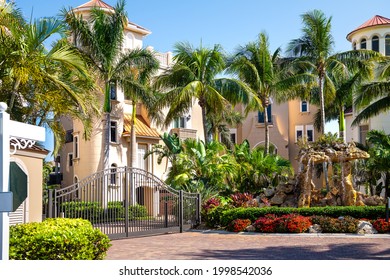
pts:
[310, 235]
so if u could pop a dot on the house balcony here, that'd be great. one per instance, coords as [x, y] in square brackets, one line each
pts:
[184, 133]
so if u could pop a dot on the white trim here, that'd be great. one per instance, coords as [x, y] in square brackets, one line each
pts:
[307, 106]
[309, 127]
[299, 128]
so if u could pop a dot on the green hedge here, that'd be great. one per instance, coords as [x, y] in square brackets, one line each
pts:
[359, 212]
[93, 212]
[57, 239]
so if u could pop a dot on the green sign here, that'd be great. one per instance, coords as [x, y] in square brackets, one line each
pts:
[17, 184]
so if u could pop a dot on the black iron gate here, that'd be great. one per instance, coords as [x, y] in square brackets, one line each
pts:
[124, 202]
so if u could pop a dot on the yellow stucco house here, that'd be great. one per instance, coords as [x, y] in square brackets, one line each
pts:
[79, 158]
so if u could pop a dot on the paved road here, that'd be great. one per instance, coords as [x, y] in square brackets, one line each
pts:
[220, 245]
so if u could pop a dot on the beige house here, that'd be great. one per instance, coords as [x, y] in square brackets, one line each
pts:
[288, 122]
[373, 34]
[80, 158]
[30, 162]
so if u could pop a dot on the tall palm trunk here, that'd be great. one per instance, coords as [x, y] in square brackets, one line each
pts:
[202, 104]
[14, 94]
[341, 124]
[266, 130]
[106, 128]
[322, 112]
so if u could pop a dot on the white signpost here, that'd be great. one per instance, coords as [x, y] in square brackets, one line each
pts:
[23, 136]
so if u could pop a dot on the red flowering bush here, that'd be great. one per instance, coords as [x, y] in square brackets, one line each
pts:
[238, 225]
[381, 225]
[287, 223]
[297, 223]
[266, 224]
[243, 200]
[211, 203]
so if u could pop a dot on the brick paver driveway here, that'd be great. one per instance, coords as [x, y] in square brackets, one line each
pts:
[218, 245]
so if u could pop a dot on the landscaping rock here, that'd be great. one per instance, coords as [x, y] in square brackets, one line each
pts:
[374, 200]
[366, 227]
[278, 198]
[286, 188]
[269, 192]
[250, 228]
[315, 228]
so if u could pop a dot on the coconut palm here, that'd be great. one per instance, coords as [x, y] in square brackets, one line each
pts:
[374, 97]
[194, 76]
[41, 85]
[100, 39]
[342, 87]
[314, 54]
[379, 143]
[258, 68]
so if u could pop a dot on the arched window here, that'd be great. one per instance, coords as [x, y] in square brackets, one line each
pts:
[387, 45]
[354, 46]
[363, 44]
[375, 43]
[113, 174]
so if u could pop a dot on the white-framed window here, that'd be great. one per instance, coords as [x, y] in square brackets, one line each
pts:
[260, 115]
[375, 43]
[363, 44]
[113, 131]
[304, 106]
[298, 132]
[180, 122]
[113, 174]
[76, 147]
[310, 133]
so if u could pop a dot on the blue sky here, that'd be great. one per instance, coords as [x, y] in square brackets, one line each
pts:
[228, 22]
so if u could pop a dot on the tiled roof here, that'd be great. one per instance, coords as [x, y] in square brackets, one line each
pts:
[95, 3]
[375, 21]
[141, 128]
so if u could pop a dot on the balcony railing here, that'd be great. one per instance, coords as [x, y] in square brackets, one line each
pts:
[184, 133]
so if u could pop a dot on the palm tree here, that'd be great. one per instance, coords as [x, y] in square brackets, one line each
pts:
[100, 38]
[374, 97]
[313, 53]
[194, 76]
[379, 143]
[39, 85]
[259, 70]
[338, 95]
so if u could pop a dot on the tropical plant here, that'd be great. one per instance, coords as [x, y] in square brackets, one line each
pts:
[313, 53]
[379, 143]
[257, 170]
[41, 86]
[373, 98]
[260, 71]
[193, 75]
[100, 38]
[203, 168]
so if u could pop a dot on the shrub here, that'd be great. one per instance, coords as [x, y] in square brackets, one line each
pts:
[211, 203]
[381, 225]
[336, 225]
[238, 225]
[57, 239]
[213, 217]
[243, 200]
[253, 213]
[266, 224]
[292, 223]
[296, 223]
[82, 209]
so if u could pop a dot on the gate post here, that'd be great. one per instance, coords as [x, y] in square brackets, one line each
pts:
[126, 202]
[181, 211]
[198, 209]
[50, 203]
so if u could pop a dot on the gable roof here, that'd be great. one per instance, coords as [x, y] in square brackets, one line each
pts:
[374, 21]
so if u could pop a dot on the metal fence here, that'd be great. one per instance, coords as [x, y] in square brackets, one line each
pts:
[124, 202]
